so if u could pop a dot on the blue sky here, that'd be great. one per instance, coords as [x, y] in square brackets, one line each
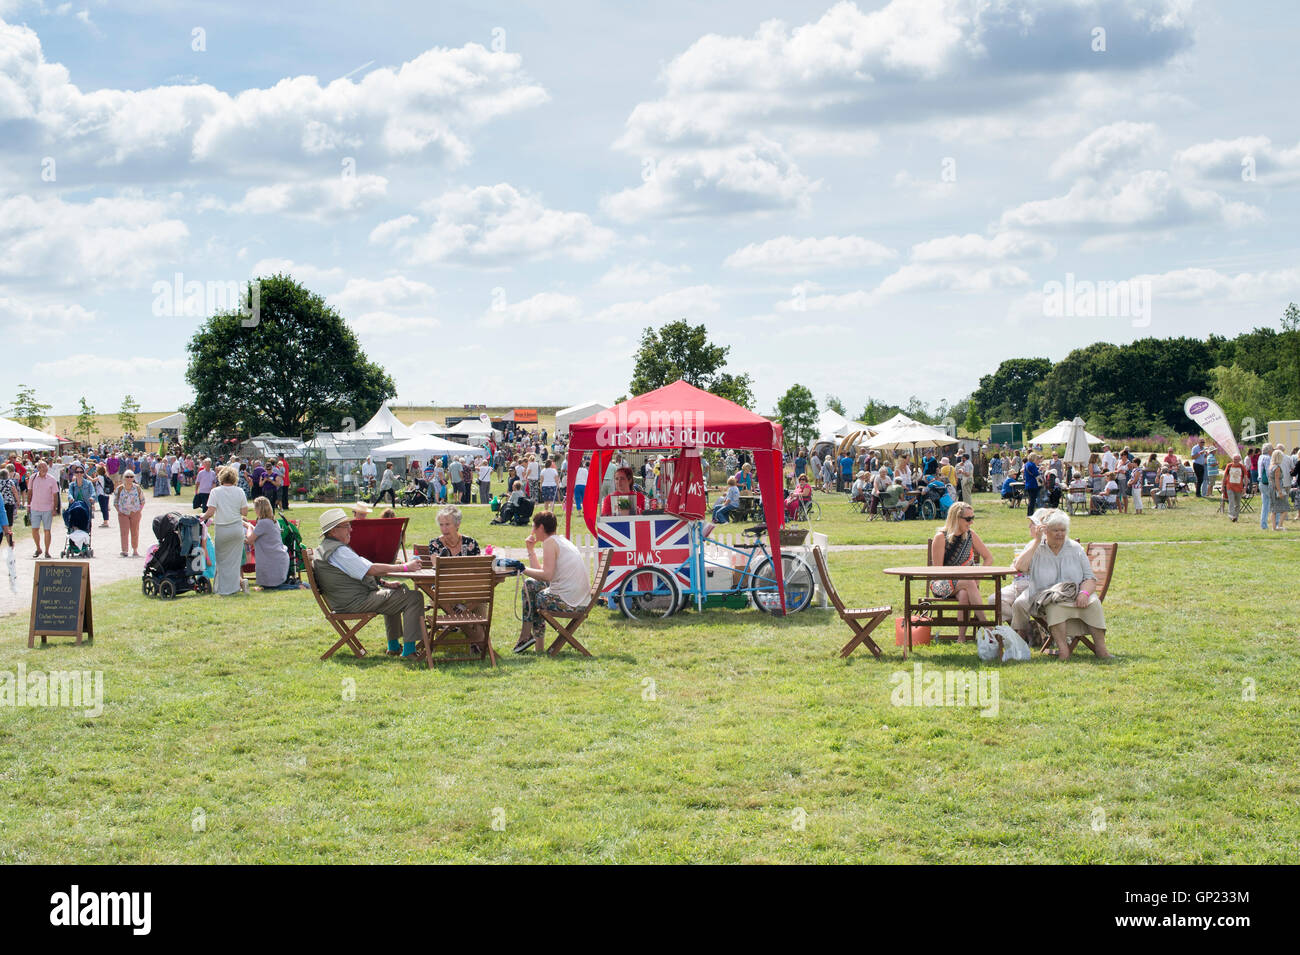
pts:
[870, 199]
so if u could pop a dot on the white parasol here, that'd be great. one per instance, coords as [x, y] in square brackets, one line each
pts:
[1077, 443]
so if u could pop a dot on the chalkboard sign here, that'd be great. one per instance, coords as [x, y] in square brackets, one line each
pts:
[61, 601]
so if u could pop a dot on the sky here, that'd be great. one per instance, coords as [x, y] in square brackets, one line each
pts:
[875, 200]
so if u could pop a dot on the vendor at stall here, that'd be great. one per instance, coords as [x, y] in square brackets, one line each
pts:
[624, 500]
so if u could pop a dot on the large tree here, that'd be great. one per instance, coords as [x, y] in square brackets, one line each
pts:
[292, 367]
[681, 350]
[1004, 393]
[797, 412]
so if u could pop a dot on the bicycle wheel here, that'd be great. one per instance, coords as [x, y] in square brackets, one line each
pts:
[798, 581]
[649, 594]
[928, 510]
[814, 511]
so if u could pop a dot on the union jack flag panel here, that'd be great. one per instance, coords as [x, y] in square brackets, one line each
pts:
[638, 541]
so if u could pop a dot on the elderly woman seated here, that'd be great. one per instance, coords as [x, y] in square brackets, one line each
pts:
[1061, 588]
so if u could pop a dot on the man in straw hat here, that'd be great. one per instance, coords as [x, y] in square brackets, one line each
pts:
[351, 584]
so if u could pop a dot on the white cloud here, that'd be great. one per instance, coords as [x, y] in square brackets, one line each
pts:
[641, 275]
[754, 177]
[425, 107]
[308, 274]
[831, 252]
[911, 278]
[540, 308]
[109, 240]
[978, 248]
[912, 60]
[493, 225]
[1105, 150]
[29, 323]
[392, 292]
[1151, 199]
[319, 199]
[1233, 160]
[929, 189]
[690, 303]
[1209, 285]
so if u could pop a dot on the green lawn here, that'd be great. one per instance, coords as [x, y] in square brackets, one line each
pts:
[223, 738]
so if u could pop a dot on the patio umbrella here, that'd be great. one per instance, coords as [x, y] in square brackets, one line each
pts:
[910, 436]
[1076, 443]
[686, 495]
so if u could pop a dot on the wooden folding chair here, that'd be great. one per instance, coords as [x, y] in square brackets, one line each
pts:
[1102, 559]
[577, 616]
[860, 620]
[461, 614]
[347, 624]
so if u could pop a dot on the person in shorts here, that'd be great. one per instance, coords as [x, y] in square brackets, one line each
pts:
[45, 495]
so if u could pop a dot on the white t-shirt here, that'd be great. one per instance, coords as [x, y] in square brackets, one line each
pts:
[581, 479]
[229, 500]
[1108, 461]
[571, 583]
[532, 470]
[550, 477]
[350, 562]
[485, 472]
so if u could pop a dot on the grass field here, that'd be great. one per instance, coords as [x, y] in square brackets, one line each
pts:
[727, 735]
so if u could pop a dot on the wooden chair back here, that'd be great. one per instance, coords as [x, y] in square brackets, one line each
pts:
[1102, 558]
[309, 558]
[425, 555]
[463, 580]
[824, 572]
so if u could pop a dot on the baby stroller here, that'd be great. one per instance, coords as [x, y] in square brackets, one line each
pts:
[936, 501]
[77, 521]
[177, 565]
[416, 495]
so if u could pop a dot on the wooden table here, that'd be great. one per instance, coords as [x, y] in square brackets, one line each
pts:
[929, 605]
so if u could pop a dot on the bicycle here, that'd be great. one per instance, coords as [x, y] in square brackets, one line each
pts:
[653, 593]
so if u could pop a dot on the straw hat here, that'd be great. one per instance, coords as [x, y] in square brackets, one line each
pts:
[361, 507]
[332, 518]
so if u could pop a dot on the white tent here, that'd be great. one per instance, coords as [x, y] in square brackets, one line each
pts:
[897, 421]
[472, 426]
[175, 422]
[567, 416]
[831, 426]
[1060, 434]
[384, 422]
[422, 447]
[13, 431]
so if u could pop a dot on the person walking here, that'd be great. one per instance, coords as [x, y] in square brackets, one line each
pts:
[1234, 485]
[128, 501]
[1198, 466]
[44, 496]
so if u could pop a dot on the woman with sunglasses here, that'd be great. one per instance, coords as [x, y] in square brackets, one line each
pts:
[957, 545]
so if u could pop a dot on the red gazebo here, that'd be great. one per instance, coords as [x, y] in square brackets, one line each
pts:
[670, 418]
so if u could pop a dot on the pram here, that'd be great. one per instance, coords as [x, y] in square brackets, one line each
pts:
[416, 494]
[178, 564]
[77, 521]
[937, 499]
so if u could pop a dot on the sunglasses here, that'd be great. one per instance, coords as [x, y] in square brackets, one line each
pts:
[968, 517]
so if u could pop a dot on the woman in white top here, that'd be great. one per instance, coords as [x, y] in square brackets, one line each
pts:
[561, 567]
[227, 507]
[1050, 559]
[580, 486]
[550, 479]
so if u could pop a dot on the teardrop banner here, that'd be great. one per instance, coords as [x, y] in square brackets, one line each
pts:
[1211, 419]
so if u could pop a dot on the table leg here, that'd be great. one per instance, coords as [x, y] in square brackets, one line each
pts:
[997, 601]
[907, 616]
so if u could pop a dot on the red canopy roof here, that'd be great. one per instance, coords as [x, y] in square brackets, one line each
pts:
[675, 416]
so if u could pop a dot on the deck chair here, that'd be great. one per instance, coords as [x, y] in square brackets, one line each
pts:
[861, 620]
[347, 624]
[378, 539]
[577, 616]
[462, 598]
[1102, 558]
